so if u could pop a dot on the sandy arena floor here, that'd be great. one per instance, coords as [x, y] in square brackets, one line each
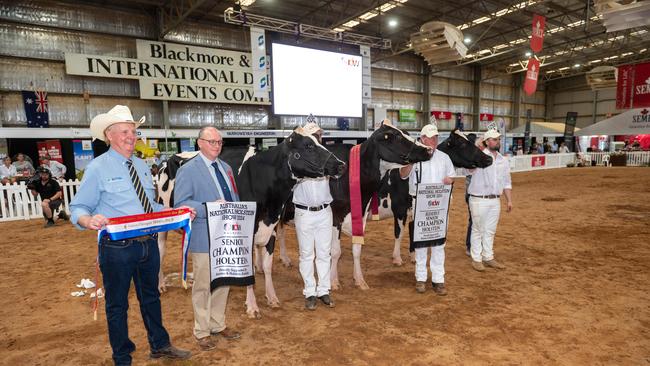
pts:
[576, 291]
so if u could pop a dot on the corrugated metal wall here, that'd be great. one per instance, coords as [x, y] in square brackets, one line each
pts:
[574, 95]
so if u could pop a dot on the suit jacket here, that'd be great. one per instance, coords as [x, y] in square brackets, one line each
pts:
[193, 187]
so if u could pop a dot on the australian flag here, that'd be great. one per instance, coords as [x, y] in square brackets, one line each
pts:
[36, 108]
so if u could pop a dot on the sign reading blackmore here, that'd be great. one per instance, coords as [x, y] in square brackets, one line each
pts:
[169, 71]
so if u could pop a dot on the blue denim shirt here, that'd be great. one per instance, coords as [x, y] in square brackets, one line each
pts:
[106, 188]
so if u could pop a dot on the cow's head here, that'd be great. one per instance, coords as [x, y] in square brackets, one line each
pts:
[309, 159]
[397, 147]
[167, 175]
[463, 152]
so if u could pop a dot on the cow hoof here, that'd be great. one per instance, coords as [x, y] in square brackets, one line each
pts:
[361, 284]
[162, 288]
[397, 262]
[287, 263]
[335, 285]
[259, 272]
[254, 315]
[274, 304]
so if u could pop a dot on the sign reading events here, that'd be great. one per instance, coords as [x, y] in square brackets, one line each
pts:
[169, 71]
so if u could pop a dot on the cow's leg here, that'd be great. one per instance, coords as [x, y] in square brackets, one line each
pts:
[271, 297]
[357, 274]
[399, 232]
[336, 255]
[259, 266]
[251, 304]
[162, 243]
[281, 233]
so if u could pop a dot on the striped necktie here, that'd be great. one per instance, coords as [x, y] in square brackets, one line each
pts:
[222, 182]
[139, 190]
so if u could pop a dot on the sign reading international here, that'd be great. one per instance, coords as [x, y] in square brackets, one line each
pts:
[230, 231]
[169, 71]
[431, 213]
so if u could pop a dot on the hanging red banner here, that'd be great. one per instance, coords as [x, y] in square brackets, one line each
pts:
[441, 114]
[537, 36]
[486, 117]
[530, 83]
[633, 86]
[51, 148]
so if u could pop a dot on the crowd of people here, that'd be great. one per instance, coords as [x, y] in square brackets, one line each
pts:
[21, 168]
[540, 148]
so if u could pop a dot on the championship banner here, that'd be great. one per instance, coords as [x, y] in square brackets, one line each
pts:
[530, 83]
[537, 35]
[259, 63]
[231, 227]
[431, 214]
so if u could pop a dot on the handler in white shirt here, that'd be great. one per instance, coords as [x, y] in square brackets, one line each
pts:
[438, 169]
[313, 220]
[485, 190]
[57, 169]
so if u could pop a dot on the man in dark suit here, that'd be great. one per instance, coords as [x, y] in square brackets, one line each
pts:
[206, 178]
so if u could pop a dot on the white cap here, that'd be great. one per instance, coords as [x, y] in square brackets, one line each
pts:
[491, 134]
[429, 131]
[311, 128]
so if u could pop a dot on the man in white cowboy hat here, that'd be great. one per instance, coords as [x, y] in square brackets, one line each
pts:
[313, 219]
[486, 187]
[438, 169]
[118, 184]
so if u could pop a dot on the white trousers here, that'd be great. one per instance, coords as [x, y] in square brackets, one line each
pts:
[314, 231]
[437, 264]
[485, 217]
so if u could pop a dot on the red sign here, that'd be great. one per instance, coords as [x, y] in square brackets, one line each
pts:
[537, 37]
[441, 114]
[633, 86]
[530, 83]
[50, 147]
[486, 117]
[538, 161]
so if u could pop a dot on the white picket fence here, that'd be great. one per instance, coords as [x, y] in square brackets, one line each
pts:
[18, 203]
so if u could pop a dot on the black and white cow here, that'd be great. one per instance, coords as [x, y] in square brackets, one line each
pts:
[394, 192]
[267, 177]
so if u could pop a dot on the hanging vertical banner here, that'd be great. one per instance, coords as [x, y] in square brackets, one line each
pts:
[569, 129]
[366, 88]
[51, 148]
[633, 86]
[530, 84]
[259, 63]
[537, 36]
[83, 154]
[502, 132]
[230, 236]
[529, 116]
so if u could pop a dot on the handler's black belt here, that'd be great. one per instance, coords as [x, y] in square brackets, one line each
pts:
[489, 196]
[137, 239]
[313, 208]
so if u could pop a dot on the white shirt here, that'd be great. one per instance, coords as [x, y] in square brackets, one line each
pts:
[493, 179]
[564, 150]
[312, 192]
[7, 172]
[434, 170]
[57, 169]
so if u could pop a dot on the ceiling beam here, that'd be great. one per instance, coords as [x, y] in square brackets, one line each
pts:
[175, 13]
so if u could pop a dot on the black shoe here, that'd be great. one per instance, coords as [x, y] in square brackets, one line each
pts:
[310, 303]
[171, 353]
[327, 300]
[63, 216]
[49, 223]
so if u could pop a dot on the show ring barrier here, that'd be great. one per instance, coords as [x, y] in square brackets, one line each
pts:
[18, 203]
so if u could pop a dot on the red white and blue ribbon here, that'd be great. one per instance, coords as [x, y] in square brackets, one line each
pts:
[126, 227]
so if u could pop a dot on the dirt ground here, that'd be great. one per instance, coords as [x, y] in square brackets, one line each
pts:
[576, 291]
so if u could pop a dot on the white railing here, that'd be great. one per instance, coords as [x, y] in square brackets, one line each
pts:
[633, 158]
[18, 203]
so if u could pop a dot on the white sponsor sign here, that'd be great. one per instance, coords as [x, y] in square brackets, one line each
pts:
[259, 63]
[168, 71]
[231, 228]
[431, 212]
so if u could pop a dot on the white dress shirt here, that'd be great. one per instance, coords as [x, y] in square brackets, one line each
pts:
[434, 170]
[312, 192]
[493, 179]
[7, 172]
[57, 169]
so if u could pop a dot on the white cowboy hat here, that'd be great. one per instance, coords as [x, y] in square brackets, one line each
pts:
[491, 134]
[311, 128]
[118, 114]
[429, 131]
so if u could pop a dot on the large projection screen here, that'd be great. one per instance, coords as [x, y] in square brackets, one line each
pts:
[312, 81]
